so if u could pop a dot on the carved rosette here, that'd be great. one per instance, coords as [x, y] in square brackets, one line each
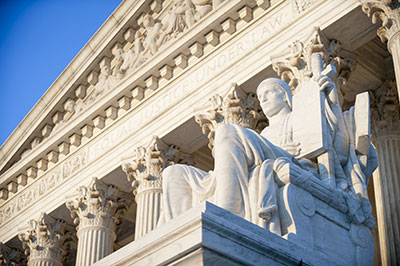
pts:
[385, 110]
[11, 256]
[98, 205]
[388, 11]
[237, 107]
[144, 172]
[46, 241]
[296, 68]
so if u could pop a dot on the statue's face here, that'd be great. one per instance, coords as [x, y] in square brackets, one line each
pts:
[271, 100]
[105, 70]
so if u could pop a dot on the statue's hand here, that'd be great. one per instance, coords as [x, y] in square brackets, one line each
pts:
[292, 148]
[324, 82]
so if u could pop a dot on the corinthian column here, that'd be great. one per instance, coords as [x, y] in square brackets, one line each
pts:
[388, 11]
[45, 240]
[96, 210]
[386, 138]
[144, 172]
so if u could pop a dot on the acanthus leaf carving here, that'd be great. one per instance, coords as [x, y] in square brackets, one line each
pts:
[144, 171]
[98, 204]
[47, 238]
[297, 68]
[385, 110]
[388, 11]
[237, 107]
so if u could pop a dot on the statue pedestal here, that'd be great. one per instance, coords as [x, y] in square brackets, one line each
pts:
[209, 235]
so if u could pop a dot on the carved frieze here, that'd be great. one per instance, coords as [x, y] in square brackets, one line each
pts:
[237, 107]
[47, 239]
[42, 186]
[98, 205]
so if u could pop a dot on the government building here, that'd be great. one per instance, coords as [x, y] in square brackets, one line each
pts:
[82, 177]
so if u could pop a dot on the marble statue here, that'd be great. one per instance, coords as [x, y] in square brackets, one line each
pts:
[151, 42]
[133, 57]
[245, 177]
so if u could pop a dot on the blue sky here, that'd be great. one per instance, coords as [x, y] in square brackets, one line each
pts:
[38, 40]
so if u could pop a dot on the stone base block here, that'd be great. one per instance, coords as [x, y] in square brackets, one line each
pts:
[209, 235]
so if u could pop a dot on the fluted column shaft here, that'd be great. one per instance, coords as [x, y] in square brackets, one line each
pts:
[387, 196]
[94, 243]
[44, 262]
[148, 210]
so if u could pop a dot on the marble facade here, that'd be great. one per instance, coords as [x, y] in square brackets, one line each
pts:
[149, 90]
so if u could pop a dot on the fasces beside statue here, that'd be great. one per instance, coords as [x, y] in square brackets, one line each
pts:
[248, 169]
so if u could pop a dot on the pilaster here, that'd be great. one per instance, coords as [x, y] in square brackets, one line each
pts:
[388, 11]
[144, 172]
[46, 240]
[96, 210]
[386, 138]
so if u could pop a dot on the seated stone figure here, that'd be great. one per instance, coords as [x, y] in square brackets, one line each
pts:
[244, 179]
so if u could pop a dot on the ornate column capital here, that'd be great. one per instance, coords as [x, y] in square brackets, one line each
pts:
[385, 110]
[237, 107]
[296, 68]
[46, 239]
[11, 256]
[97, 205]
[145, 170]
[388, 11]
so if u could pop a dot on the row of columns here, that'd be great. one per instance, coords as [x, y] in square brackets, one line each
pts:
[97, 208]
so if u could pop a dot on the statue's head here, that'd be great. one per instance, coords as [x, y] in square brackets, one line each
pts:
[148, 21]
[274, 94]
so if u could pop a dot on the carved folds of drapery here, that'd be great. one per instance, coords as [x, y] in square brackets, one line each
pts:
[11, 256]
[46, 239]
[297, 68]
[388, 11]
[145, 170]
[237, 107]
[98, 205]
[385, 110]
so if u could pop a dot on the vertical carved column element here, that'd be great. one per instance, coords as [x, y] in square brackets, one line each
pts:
[11, 256]
[386, 138]
[46, 241]
[145, 174]
[96, 210]
[388, 11]
[237, 107]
